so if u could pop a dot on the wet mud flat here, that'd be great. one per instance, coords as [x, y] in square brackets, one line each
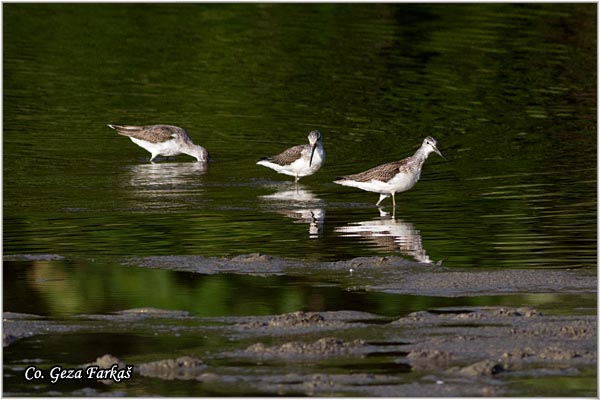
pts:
[478, 351]
[389, 274]
[437, 352]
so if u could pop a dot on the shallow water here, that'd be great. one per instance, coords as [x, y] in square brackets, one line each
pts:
[509, 92]
[515, 118]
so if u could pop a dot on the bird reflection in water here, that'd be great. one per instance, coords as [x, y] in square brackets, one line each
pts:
[301, 204]
[164, 185]
[390, 234]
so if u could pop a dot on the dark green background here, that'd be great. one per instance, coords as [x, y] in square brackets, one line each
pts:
[509, 91]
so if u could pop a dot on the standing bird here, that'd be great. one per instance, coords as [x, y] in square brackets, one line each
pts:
[298, 161]
[395, 177]
[165, 140]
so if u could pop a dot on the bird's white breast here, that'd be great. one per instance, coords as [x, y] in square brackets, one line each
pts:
[168, 148]
[399, 183]
[302, 164]
[299, 167]
[402, 182]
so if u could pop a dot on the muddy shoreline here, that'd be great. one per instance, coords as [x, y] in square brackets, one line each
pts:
[389, 274]
[448, 351]
[474, 351]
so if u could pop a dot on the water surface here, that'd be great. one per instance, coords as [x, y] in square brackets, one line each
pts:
[509, 92]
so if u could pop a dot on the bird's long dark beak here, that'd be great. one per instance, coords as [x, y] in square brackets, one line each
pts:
[439, 153]
[312, 153]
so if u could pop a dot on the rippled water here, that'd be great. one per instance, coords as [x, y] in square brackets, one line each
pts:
[515, 117]
[509, 91]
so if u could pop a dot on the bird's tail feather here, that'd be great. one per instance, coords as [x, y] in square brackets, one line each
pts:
[125, 130]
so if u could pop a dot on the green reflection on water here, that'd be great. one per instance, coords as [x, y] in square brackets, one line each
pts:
[569, 386]
[62, 289]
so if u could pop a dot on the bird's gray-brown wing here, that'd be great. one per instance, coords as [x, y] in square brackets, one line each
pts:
[151, 133]
[383, 172]
[288, 156]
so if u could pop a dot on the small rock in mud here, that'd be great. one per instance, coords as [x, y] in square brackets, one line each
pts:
[527, 312]
[183, 368]
[301, 322]
[310, 320]
[429, 354]
[325, 347]
[296, 319]
[107, 361]
[429, 359]
[482, 368]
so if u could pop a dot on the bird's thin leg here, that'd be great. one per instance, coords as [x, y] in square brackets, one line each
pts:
[394, 200]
